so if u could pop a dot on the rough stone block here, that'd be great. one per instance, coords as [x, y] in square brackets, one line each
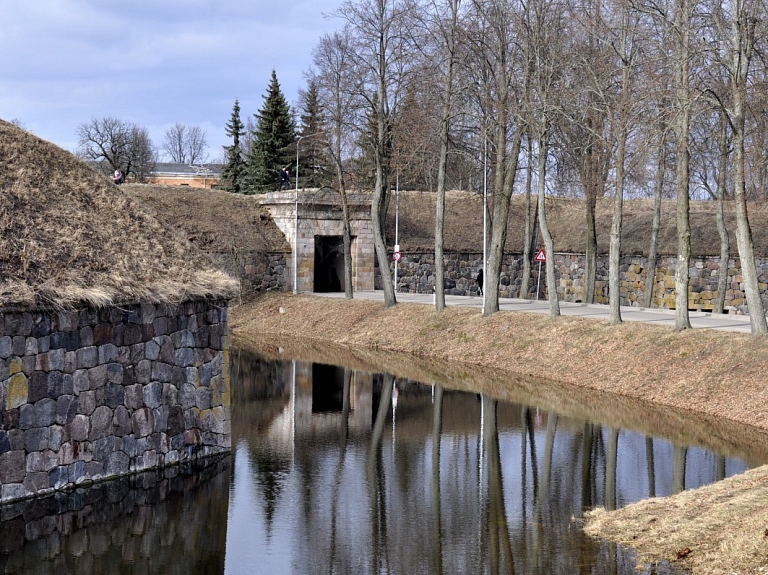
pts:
[108, 353]
[203, 397]
[56, 359]
[153, 394]
[102, 334]
[26, 416]
[13, 467]
[70, 362]
[134, 396]
[97, 376]
[114, 395]
[115, 373]
[37, 439]
[161, 371]
[86, 402]
[143, 371]
[6, 347]
[86, 336]
[18, 391]
[187, 396]
[81, 381]
[161, 419]
[184, 357]
[175, 421]
[79, 428]
[45, 412]
[122, 422]
[12, 492]
[87, 357]
[143, 422]
[101, 423]
[117, 464]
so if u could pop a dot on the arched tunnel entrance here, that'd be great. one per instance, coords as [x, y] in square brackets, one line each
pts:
[329, 264]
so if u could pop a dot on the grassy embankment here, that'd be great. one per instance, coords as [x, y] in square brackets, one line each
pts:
[710, 385]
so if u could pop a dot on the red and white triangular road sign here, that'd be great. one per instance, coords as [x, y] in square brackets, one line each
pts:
[541, 256]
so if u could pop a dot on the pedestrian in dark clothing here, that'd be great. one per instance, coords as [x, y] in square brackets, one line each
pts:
[480, 282]
[285, 179]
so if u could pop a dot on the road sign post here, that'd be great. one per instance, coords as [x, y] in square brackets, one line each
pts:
[541, 256]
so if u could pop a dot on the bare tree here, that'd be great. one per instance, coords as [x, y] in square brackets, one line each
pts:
[333, 59]
[737, 25]
[626, 50]
[185, 144]
[382, 57]
[501, 85]
[114, 144]
[446, 25]
[545, 21]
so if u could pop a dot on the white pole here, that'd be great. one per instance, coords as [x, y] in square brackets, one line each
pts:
[296, 225]
[397, 219]
[485, 213]
[538, 282]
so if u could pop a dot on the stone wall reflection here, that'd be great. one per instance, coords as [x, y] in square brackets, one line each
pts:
[165, 521]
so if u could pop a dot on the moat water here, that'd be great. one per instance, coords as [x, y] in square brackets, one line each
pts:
[351, 472]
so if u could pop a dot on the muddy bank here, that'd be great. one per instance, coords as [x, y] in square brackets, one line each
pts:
[714, 378]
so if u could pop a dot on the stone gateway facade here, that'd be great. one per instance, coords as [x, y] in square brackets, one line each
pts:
[93, 394]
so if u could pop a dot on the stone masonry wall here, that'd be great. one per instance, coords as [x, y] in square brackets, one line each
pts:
[98, 393]
[257, 271]
[416, 274]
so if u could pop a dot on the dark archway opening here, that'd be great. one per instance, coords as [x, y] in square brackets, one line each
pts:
[329, 264]
[327, 388]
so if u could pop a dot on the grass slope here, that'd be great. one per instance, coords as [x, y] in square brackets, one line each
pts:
[69, 236]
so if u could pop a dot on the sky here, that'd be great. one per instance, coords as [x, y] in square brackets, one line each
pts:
[154, 63]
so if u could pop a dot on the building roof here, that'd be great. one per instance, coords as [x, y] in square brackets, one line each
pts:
[68, 236]
[173, 169]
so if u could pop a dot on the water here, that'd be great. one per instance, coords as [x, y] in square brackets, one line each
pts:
[342, 471]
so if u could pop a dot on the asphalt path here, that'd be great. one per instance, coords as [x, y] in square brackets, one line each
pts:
[665, 317]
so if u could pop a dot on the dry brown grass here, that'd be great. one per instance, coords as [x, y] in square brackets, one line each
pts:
[69, 236]
[212, 220]
[698, 387]
[721, 528]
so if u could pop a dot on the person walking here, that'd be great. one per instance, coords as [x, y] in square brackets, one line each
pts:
[480, 282]
[285, 179]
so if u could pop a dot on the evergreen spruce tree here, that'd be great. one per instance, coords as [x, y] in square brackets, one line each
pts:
[313, 160]
[233, 173]
[274, 141]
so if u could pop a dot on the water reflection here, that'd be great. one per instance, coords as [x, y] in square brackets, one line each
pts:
[171, 521]
[342, 471]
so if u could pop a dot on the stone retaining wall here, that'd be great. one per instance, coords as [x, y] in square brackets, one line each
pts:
[98, 393]
[257, 271]
[416, 274]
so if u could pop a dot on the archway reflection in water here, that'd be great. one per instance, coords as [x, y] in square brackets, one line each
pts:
[341, 471]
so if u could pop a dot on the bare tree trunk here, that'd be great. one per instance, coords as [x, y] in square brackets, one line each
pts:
[682, 122]
[347, 238]
[549, 245]
[725, 246]
[650, 278]
[501, 197]
[614, 278]
[383, 147]
[742, 46]
[444, 131]
[525, 280]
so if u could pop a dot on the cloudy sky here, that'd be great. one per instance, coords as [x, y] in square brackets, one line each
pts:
[151, 62]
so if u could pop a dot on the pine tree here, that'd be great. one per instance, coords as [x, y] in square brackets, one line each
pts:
[313, 161]
[232, 174]
[274, 140]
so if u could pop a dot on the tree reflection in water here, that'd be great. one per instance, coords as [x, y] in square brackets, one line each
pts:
[467, 484]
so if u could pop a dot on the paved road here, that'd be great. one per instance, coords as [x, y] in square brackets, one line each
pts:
[738, 323]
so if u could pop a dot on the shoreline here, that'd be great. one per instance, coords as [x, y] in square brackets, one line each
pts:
[695, 373]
